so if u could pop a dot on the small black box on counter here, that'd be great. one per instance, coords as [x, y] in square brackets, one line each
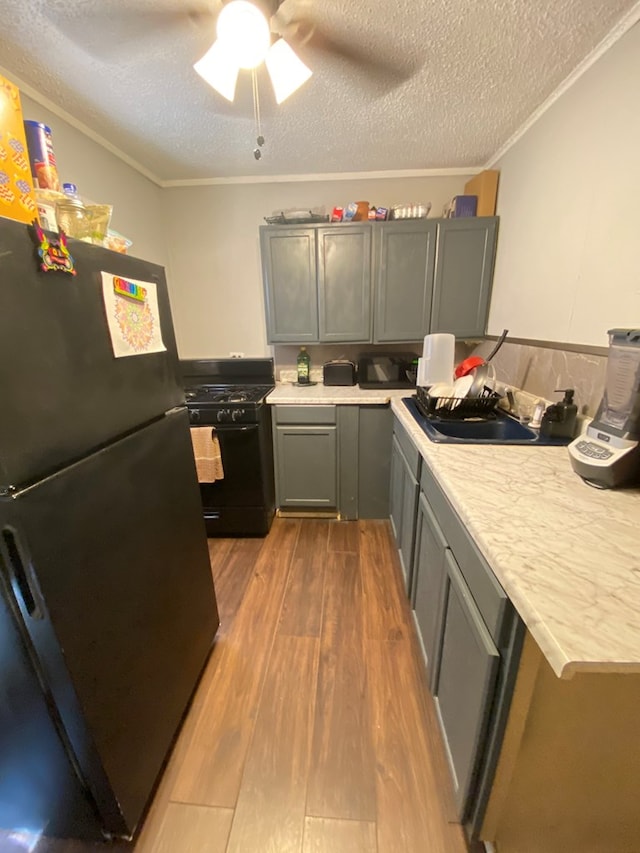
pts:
[339, 373]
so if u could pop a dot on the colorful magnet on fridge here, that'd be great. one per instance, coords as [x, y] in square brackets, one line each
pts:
[54, 254]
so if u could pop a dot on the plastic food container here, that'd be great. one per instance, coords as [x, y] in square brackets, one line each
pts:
[411, 211]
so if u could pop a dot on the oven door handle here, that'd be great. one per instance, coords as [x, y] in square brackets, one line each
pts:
[231, 427]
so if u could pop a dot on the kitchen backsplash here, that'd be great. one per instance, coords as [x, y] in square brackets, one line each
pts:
[540, 370]
[285, 355]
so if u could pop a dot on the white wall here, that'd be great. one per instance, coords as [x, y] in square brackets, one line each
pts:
[103, 177]
[216, 279]
[568, 261]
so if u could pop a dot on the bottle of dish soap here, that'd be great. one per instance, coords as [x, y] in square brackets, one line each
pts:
[559, 419]
[304, 366]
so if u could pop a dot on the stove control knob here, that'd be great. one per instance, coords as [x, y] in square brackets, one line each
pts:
[221, 415]
[237, 414]
[194, 415]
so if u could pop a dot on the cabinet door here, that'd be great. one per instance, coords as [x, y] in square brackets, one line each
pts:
[344, 283]
[396, 490]
[463, 275]
[306, 466]
[404, 261]
[406, 544]
[465, 683]
[289, 276]
[428, 585]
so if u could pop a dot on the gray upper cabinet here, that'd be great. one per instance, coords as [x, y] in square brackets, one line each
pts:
[463, 275]
[404, 255]
[289, 274]
[317, 283]
[385, 282]
[344, 289]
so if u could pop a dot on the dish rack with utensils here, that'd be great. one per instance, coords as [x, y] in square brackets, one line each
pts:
[458, 408]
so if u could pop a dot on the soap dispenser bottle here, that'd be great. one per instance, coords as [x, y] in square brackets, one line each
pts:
[559, 419]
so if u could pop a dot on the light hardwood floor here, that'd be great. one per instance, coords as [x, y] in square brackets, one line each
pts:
[311, 730]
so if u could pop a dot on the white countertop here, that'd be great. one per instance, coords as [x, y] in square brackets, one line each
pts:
[567, 555]
[286, 394]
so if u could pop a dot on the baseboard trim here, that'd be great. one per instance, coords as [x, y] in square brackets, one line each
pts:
[304, 513]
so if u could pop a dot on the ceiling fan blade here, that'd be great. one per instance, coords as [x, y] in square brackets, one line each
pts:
[111, 30]
[380, 61]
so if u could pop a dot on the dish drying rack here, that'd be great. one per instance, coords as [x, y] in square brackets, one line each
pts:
[458, 408]
[300, 217]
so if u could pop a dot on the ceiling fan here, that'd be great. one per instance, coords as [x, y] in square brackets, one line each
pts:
[252, 31]
[313, 30]
[248, 33]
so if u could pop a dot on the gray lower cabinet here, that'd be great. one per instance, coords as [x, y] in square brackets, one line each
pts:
[429, 586]
[403, 499]
[463, 276]
[465, 681]
[404, 254]
[470, 634]
[375, 424]
[331, 457]
[306, 456]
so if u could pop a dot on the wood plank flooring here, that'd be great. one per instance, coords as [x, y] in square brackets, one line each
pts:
[311, 730]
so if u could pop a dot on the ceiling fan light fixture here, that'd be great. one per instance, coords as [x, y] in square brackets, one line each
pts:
[244, 30]
[220, 70]
[287, 71]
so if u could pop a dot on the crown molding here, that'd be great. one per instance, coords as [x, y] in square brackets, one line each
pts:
[623, 26]
[327, 176]
[41, 99]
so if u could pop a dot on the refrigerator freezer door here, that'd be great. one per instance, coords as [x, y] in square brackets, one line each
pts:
[62, 392]
[109, 560]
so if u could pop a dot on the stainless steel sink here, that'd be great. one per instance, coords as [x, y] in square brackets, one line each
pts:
[503, 429]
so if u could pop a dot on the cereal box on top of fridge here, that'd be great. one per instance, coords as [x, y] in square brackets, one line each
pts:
[16, 185]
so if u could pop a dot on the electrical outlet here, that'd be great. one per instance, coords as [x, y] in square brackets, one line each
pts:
[236, 354]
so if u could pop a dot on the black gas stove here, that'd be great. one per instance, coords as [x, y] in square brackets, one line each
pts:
[221, 403]
[228, 395]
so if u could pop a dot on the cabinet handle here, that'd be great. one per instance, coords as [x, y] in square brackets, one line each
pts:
[22, 573]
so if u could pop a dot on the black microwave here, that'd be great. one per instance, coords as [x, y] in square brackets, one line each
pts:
[387, 370]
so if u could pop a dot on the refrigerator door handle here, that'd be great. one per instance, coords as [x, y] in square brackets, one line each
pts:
[21, 578]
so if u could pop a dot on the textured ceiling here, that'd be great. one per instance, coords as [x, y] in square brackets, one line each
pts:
[466, 74]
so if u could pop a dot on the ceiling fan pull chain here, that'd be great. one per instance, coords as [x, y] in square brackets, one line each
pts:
[257, 153]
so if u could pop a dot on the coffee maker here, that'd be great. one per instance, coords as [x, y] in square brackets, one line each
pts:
[608, 454]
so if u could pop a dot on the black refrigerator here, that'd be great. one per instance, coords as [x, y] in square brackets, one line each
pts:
[107, 606]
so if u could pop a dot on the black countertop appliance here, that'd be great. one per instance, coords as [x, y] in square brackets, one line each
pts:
[107, 607]
[387, 370]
